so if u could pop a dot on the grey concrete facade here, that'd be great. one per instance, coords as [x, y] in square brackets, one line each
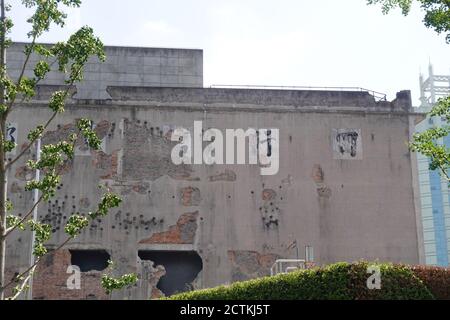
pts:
[124, 66]
[357, 206]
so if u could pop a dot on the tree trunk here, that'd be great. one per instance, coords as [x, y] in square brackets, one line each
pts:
[3, 175]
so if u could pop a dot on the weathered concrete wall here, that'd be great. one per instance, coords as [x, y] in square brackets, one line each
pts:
[124, 66]
[238, 221]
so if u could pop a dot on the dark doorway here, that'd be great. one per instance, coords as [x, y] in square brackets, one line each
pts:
[88, 260]
[182, 267]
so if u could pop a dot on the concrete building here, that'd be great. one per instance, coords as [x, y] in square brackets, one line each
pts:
[346, 183]
[434, 190]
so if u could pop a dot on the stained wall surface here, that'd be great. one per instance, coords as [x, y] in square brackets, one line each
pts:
[345, 185]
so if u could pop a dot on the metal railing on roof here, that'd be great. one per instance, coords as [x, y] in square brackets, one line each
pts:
[378, 96]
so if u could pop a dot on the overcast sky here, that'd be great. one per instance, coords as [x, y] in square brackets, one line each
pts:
[264, 42]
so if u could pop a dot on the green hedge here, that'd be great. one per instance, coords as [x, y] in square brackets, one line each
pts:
[436, 279]
[337, 281]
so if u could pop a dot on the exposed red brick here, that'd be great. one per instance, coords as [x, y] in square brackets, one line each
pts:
[268, 194]
[181, 233]
[317, 173]
[247, 264]
[107, 162]
[227, 175]
[190, 196]
[50, 280]
[102, 128]
[24, 173]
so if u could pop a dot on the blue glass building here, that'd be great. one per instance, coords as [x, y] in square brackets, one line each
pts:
[434, 189]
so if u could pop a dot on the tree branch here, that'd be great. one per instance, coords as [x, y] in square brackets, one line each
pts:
[22, 72]
[11, 229]
[22, 152]
[35, 264]
[66, 92]
[22, 286]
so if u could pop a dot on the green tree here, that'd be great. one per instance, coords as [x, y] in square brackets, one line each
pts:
[70, 58]
[437, 16]
[437, 12]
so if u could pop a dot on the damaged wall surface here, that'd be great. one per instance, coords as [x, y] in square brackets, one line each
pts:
[344, 186]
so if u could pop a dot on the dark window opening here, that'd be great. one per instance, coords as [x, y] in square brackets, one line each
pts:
[182, 267]
[88, 260]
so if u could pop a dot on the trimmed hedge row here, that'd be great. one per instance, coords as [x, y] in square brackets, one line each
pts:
[336, 281]
[436, 279]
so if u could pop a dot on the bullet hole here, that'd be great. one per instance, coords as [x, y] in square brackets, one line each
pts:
[290, 138]
[149, 191]
[372, 136]
[53, 230]
[260, 208]
[271, 203]
[342, 186]
[229, 197]
[65, 197]
[173, 197]
[252, 192]
[113, 227]
[9, 159]
[201, 218]
[20, 214]
[73, 197]
[127, 213]
[141, 216]
[73, 207]
[138, 121]
[64, 217]
[161, 221]
[145, 122]
[280, 187]
[281, 198]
